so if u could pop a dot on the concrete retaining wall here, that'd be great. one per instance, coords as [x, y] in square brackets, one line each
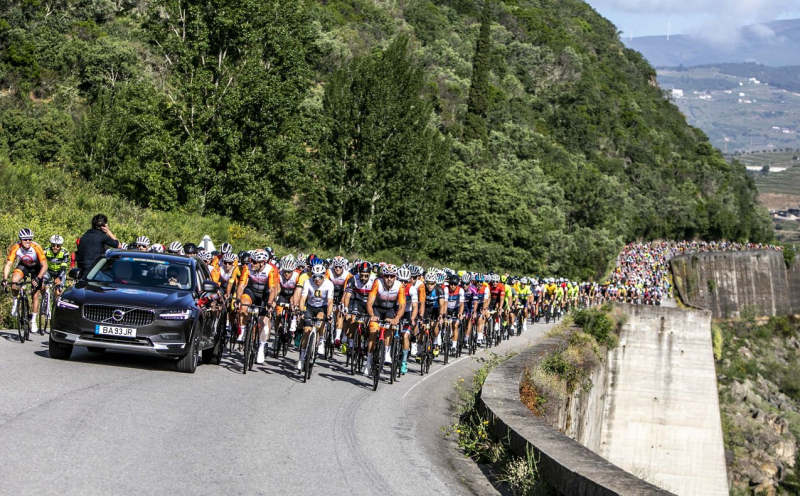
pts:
[565, 464]
[661, 413]
[581, 416]
[794, 285]
[728, 282]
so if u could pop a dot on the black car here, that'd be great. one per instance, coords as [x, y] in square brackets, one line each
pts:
[150, 303]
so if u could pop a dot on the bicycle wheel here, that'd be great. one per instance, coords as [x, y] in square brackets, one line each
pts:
[422, 352]
[446, 342]
[395, 366]
[277, 328]
[42, 318]
[311, 345]
[23, 316]
[285, 336]
[248, 343]
[377, 363]
[254, 342]
[329, 341]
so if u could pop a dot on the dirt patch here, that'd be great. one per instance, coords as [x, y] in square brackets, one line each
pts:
[776, 201]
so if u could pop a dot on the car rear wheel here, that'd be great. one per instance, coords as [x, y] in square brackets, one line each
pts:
[188, 363]
[59, 351]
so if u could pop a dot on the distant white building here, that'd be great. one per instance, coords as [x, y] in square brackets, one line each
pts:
[676, 93]
[742, 94]
[776, 128]
[728, 91]
[754, 81]
[705, 97]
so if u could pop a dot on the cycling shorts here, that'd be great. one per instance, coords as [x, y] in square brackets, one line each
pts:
[382, 314]
[357, 306]
[431, 312]
[283, 299]
[249, 298]
[313, 313]
[28, 270]
[452, 312]
[50, 276]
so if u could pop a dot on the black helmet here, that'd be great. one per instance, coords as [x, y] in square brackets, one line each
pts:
[244, 257]
[190, 249]
[454, 280]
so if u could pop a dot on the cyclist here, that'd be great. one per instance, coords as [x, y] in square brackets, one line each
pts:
[258, 286]
[525, 295]
[480, 303]
[57, 264]
[386, 299]
[339, 277]
[175, 248]
[316, 300]
[356, 296]
[435, 304]
[32, 262]
[455, 306]
[410, 315]
[497, 291]
[288, 295]
[224, 248]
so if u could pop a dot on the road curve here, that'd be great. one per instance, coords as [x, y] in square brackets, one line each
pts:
[120, 423]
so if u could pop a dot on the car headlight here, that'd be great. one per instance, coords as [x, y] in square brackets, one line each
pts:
[68, 304]
[181, 315]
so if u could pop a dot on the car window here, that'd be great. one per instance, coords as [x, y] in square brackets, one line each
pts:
[134, 271]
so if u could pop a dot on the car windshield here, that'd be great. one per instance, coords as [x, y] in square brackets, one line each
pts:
[134, 271]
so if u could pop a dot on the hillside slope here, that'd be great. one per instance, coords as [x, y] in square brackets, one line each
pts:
[519, 135]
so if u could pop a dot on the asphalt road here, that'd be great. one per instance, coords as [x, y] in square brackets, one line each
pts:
[121, 423]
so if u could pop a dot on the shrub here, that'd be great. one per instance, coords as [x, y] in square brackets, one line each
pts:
[716, 339]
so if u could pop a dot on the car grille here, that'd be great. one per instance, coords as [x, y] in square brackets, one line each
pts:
[115, 340]
[104, 314]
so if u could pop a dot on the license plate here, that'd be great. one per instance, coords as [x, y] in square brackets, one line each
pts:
[127, 332]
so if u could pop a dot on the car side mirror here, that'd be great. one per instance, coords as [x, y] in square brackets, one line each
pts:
[210, 286]
[74, 273]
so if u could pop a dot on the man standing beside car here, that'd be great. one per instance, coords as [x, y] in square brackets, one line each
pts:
[93, 243]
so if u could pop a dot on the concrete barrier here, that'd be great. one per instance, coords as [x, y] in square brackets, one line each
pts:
[565, 464]
[727, 282]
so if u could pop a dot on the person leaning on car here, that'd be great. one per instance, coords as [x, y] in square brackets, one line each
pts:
[93, 243]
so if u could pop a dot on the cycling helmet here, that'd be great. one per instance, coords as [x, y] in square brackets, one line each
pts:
[288, 264]
[448, 271]
[389, 270]
[431, 270]
[524, 280]
[467, 277]
[301, 258]
[404, 274]
[318, 270]
[229, 257]
[190, 248]
[226, 248]
[270, 252]
[503, 278]
[157, 248]
[259, 257]
[514, 279]
[122, 246]
[204, 256]
[430, 277]
[25, 235]
[56, 240]
[175, 247]
[244, 257]
[416, 271]
[479, 278]
[495, 277]
[453, 279]
[364, 267]
[143, 241]
[339, 262]
[316, 261]
[441, 277]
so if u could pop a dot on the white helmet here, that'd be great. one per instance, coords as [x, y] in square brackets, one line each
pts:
[25, 234]
[175, 248]
[143, 241]
[430, 276]
[259, 256]
[404, 274]
[318, 270]
[56, 240]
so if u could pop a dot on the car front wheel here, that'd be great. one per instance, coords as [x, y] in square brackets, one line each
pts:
[188, 363]
[59, 351]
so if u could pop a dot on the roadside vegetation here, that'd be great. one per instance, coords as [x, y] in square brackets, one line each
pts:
[757, 360]
[552, 379]
[474, 437]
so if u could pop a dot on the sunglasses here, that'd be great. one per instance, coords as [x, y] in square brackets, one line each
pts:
[56, 246]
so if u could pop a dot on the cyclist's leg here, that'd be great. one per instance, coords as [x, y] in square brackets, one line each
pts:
[246, 301]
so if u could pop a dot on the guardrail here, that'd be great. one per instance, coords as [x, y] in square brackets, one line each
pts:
[566, 465]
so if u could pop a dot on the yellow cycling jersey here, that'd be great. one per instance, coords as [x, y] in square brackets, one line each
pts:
[550, 289]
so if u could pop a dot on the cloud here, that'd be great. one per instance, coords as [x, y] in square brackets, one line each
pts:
[723, 19]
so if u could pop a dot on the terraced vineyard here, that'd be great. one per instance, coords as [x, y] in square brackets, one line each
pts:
[773, 159]
[784, 183]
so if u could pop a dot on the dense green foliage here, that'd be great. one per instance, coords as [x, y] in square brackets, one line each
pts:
[346, 124]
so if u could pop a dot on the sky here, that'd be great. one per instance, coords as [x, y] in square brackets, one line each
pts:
[716, 20]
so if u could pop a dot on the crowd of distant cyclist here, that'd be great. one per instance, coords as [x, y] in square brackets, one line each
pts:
[427, 312]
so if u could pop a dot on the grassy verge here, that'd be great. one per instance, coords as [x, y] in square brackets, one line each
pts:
[548, 382]
[519, 474]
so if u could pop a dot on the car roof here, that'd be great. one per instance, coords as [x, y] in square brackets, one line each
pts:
[168, 257]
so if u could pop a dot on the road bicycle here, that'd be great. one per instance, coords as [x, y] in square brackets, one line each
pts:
[311, 348]
[424, 347]
[379, 352]
[357, 353]
[45, 307]
[252, 337]
[22, 311]
[282, 325]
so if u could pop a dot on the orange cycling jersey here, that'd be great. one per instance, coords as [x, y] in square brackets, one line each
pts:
[223, 278]
[31, 257]
[388, 297]
[257, 280]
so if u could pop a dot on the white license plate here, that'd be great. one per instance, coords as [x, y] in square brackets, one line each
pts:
[128, 332]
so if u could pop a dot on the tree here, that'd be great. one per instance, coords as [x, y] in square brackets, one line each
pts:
[387, 159]
[478, 103]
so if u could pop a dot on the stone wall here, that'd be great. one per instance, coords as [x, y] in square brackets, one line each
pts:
[728, 282]
[794, 285]
[581, 415]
